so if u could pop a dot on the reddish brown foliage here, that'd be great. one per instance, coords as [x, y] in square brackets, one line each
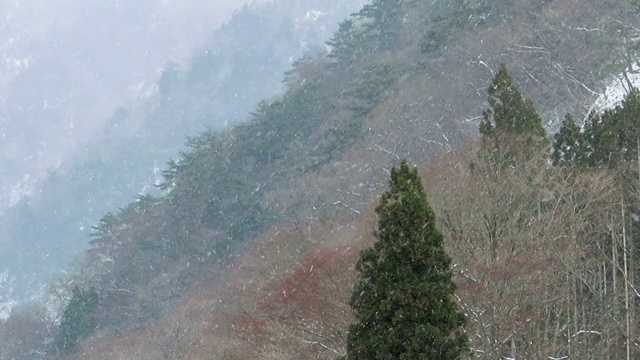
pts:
[311, 288]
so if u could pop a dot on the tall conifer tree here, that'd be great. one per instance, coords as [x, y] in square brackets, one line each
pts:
[607, 138]
[569, 147]
[511, 129]
[403, 301]
[77, 319]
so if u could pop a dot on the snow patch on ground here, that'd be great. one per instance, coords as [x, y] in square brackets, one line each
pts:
[618, 88]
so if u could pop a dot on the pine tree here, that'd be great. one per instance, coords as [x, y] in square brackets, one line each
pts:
[511, 128]
[344, 43]
[627, 125]
[77, 320]
[599, 140]
[608, 138]
[403, 301]
[569, 148]
[382, 21]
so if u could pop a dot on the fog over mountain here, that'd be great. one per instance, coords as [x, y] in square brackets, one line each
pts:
[65, 65]
[96, 97]
[253, 194]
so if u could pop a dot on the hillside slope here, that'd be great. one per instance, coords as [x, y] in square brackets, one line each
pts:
[61, 72]
[249, 252]
[228, 73]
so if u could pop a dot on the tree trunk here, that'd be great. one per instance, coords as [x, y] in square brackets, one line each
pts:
[627, 315]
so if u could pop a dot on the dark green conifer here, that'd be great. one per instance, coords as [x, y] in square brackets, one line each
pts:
[597, 140]
[608, 138]
[383, 18]
[77, 320]
[627, 125]
[403, 301]
[511, 129]
[569, 148]
[344, 42]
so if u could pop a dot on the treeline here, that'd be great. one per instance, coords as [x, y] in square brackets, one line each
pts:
[542, 250]
[226, 76]
[541, 240]
[218, 192]
[544, 236]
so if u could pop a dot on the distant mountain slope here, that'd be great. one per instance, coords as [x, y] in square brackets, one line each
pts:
[219, 84]
[402, 79]
[66, 65]
[218, 256]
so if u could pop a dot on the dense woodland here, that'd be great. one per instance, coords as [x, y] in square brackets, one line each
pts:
[252, 250]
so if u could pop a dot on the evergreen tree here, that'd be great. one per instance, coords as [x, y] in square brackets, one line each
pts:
[344, 43]
[403, 301]
[370, 88]
[626, 125]
[608, 138]
[382, 20]
[598, 140]
[372, 30]
[77, 320]
[511, 128]
[569, 148]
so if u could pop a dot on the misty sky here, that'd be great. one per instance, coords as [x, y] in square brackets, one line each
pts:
[65, 65]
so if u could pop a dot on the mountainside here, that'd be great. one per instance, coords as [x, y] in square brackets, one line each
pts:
[61, 74]
[62, 71]
[123, 154]
[249, 250]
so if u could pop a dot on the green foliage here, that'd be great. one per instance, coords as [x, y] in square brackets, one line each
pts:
[403, 301]
[211, 187]
[437, 35]
[607, 139]
[443, 24]
[77, 320]
[220, 182]
[374, 29]
[370, 88]
[569, 147]
[452, 16]
[382, 19]
[344, 42]
[279, 129]
[106, 226]
[509, 112]
[624, 121]
[306, 68]
[511, 129]
[600, 140]
[196, 179]
[365, 92]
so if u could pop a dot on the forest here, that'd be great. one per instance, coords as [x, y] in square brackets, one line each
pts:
[261, 234]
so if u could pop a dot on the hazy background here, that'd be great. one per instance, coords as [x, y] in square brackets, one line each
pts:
[66, 64]
[96, 96]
